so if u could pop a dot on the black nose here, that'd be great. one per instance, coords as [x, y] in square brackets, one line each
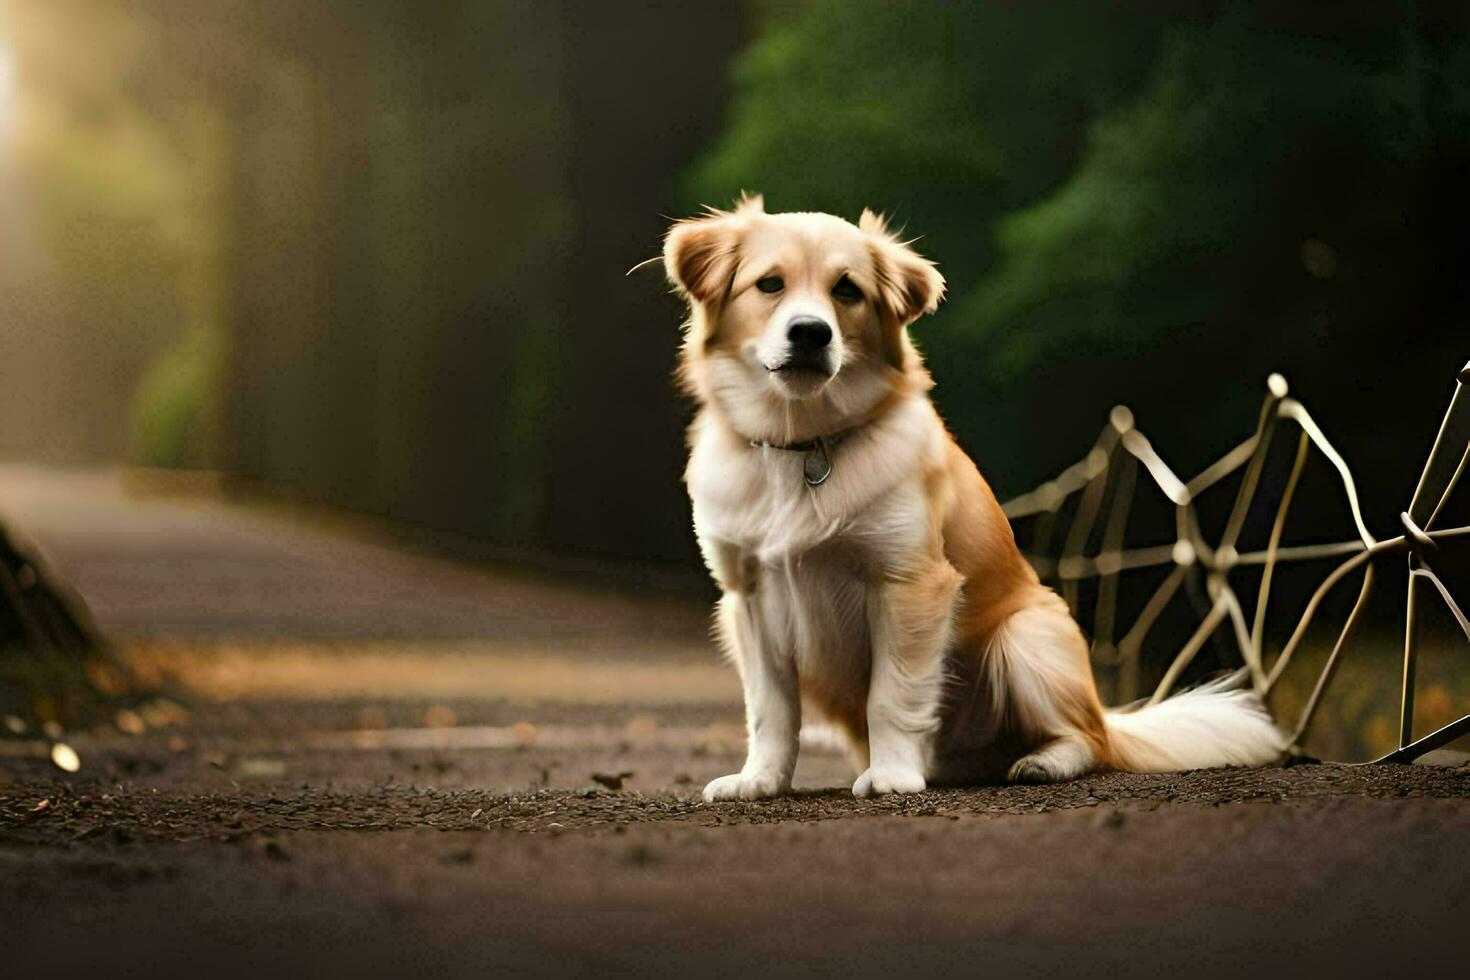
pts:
[808, 334]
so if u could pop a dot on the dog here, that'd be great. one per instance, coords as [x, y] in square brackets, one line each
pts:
[867, 573]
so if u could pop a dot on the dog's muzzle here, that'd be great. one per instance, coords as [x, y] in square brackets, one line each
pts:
[808, 346]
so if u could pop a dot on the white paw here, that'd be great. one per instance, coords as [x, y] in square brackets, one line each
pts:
[878, 782]
[739, 786]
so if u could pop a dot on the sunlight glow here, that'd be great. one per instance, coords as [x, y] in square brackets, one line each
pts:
[7, 89]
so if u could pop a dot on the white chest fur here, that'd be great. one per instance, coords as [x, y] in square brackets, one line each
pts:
[804, 557]
[756, 501]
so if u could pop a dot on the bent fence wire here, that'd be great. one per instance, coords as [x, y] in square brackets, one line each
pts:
[1058, 546]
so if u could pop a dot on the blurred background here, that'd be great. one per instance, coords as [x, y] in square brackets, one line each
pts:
[371, 258]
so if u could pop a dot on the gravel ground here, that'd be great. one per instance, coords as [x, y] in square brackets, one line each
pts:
[55, 813]
[1312, 870]
[504, 779]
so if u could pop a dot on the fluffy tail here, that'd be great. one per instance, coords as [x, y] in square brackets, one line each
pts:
[1217, 724]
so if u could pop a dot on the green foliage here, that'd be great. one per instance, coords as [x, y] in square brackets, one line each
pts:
[944, 115]
[171, 406]
[1188, 191]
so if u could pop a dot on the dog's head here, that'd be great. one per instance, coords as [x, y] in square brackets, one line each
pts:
[798, 322]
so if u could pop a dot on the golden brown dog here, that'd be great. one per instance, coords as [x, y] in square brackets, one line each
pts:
[866, 567]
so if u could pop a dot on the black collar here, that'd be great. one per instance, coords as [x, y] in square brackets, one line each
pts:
[817, 464]
[792, 447]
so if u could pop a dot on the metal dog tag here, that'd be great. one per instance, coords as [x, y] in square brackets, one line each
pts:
[817, 465]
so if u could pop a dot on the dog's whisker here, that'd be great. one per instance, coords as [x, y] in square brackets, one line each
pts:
[645, 262]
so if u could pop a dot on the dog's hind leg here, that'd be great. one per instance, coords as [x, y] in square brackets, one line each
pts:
[1060, 759]
[1042, 679]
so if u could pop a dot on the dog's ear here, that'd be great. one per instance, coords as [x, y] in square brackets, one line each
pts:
[699, 256]
[700, 253]
[908, 283]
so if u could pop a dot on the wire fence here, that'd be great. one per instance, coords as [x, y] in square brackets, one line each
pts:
[1093, 500]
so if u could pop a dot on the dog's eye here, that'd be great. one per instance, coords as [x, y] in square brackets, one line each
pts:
[770, 284]
[847, 291]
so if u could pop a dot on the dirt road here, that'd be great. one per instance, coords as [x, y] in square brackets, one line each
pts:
[390, 765]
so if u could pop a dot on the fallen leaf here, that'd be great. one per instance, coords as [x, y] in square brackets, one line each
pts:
[612, 781]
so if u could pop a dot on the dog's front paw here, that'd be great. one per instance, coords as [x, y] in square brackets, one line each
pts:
[739, 786]
[879, 782]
